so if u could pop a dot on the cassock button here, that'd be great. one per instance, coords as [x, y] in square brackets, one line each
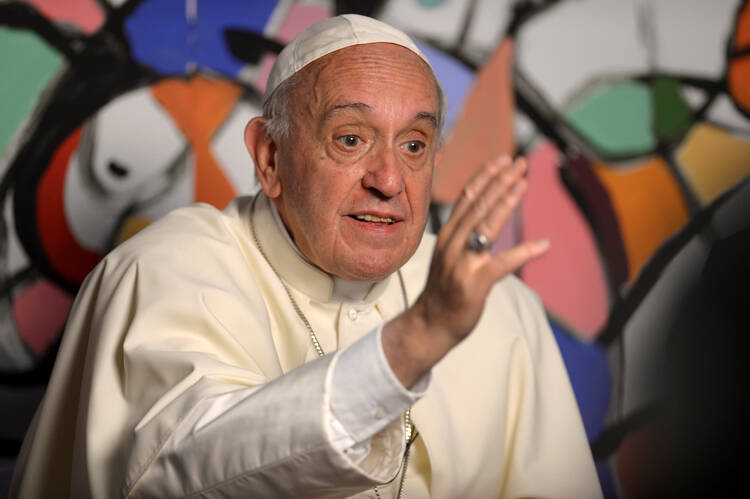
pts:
[353, 314]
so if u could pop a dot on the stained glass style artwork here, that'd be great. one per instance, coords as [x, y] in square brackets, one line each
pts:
[634, 117]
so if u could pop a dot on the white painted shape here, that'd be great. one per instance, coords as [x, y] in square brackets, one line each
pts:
[228, 147]
[525, 129]
[92, 214]
[487, 25]
[137, 133]
[442, 23]
[647, 331]
[15, 256]
[694, 97]
[691, 35]
[723, 112]
[566, 46]
[181, 191]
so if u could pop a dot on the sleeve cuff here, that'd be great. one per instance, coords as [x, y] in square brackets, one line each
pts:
[365, 394]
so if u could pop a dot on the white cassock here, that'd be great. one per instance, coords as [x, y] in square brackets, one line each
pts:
[186, 372]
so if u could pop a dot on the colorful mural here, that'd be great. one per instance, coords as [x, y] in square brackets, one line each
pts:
[634, 116]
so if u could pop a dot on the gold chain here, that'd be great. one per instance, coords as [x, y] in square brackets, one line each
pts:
[409, 430]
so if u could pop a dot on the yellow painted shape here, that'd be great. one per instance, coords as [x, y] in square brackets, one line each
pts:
[130, 227]
[713, 160]
[648, 204]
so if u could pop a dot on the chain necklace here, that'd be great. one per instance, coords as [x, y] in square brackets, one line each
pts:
[409, 430]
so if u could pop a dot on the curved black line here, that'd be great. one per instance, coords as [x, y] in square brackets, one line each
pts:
[653, 269]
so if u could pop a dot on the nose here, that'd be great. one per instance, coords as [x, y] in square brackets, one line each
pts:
[383, 174]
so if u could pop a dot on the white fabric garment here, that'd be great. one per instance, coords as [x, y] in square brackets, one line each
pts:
[361, 370]
[185, 372]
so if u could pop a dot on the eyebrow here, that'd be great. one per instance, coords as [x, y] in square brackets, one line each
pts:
[361, 106]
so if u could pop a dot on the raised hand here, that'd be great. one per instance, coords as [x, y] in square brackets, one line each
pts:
[462, 273]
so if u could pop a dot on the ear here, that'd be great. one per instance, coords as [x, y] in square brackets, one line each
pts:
[263, 151]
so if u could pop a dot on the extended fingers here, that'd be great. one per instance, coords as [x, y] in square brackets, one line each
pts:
[513, 259]
[491, 209]
[475, 187]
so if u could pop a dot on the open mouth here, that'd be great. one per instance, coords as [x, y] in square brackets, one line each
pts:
[373, 219]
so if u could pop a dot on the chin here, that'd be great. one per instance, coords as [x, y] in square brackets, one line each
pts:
[370, 269]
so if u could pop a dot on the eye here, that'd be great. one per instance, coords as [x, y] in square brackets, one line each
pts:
[413, 146]
[350, 140]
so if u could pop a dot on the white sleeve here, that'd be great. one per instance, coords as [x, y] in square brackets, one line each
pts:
[256, 438]
[366, 395]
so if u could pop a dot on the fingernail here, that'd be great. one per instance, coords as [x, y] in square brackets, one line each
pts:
[542, 245]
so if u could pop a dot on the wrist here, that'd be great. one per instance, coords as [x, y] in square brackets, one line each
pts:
[413, 345]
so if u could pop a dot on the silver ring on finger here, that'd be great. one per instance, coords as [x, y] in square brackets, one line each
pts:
[478, 242]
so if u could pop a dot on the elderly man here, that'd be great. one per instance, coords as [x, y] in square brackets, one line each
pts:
[275, 349]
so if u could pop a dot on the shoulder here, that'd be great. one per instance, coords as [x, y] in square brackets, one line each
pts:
[196, 236]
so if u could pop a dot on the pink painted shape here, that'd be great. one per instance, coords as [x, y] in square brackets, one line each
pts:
[40, 312]
[264, 69]
[298, 17]
[570, 279]
[84, 14]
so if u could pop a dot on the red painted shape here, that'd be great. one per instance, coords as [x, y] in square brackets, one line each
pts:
[40, 312]
[84, 14]
[63, 253]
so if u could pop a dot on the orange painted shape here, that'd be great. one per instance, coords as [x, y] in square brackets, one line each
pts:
[713, 160]
[742, 30]
[738, 81]
[570, 278]
[65, 255]
[649, 206]
[484, 129]
[199, 107]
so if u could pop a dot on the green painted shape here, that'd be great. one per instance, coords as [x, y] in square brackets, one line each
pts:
[615, 118]
[672, 116]
[28, 65]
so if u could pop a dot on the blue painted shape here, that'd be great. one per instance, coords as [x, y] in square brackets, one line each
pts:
[211, 50]
[158, 34]
[589, 374]
[162, 37]
[457, 80]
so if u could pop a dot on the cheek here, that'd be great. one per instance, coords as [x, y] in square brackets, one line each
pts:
[419, 194]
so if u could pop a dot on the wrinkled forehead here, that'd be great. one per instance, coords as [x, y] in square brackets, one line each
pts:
[367, 63]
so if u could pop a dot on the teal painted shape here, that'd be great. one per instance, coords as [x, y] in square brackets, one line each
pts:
[28, 65]
[430, 3]
[616, 118]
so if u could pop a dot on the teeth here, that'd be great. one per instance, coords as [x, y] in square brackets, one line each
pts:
[372, 218]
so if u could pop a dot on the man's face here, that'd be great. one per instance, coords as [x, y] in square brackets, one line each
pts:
[356, 171]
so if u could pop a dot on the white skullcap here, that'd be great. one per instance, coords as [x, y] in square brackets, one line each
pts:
[330, 35]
